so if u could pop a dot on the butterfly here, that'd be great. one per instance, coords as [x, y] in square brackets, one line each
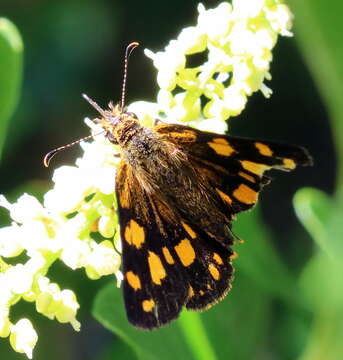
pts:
[178, 191]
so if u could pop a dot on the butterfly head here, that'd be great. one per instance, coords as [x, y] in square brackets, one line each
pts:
[115, 121]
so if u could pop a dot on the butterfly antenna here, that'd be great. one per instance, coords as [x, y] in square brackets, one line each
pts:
[95, 105]
[128, 51]
[52, 153]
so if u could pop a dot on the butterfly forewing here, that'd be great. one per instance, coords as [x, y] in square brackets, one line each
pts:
[235, 166]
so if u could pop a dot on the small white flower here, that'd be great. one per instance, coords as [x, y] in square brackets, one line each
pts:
[35, 237]
[71, 187]
[266, 91]
[248, 8]
[213, 124]
[52, 302]
[10, 241]
[107, 226]
[47, 297]
[191, 41]
[19, 279]
[165, 99]
[172, 59]
[26, 208]
[281, 19]
[214, 22]
[166, 78]
[103, 260]
[23, 337]
[235, 99]
[75, 253]
[67, 309]
[146, 111]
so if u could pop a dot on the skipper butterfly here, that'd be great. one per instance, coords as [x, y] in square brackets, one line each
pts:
[178, 190]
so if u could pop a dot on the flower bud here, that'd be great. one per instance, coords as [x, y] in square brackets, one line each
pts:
[23, 337]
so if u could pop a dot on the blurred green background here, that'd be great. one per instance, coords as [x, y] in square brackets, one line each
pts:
[287, 298]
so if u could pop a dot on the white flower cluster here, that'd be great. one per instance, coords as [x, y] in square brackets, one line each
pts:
[81, 202]
[237, 40]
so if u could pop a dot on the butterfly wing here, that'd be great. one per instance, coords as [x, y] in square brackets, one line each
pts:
[172, 257]
[166, 263]
[234, 166]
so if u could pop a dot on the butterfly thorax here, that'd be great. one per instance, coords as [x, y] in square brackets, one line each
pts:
[141, 147]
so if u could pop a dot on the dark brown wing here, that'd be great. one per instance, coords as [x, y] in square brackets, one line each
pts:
[167, 263]
[234, 166]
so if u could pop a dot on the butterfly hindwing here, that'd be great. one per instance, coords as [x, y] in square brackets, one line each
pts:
[211, 273]
[166, 264]
[153, 288]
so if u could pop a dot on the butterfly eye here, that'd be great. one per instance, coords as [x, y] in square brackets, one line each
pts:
[111, 138]
[131, 114]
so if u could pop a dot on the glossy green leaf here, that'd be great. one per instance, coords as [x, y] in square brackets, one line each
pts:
[166, 343]
[11, 52]
[318, 31]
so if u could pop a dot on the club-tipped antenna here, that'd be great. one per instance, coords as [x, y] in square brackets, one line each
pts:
[52, 153]
[128, 51]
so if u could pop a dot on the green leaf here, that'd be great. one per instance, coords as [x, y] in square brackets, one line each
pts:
[322, 217]
[318, 30]
[195, 335]
[237, 326]
[321, 280]
[260, 261]
[11, 51]
[166, 343]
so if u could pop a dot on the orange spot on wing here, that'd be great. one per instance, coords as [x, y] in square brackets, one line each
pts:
[134, 234]
[214, 272]
[224, 197]
[263, 149]
[255, 168]
[245, 194]
[133, 280]
[185, 251]
[148, 305]
[221, 146]
[217, 259]
[184, 136]
[189, 230]
[167, 255]
[157, 271]
[124, 198]
[289, 163]
[246, 176]
[190, 292]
